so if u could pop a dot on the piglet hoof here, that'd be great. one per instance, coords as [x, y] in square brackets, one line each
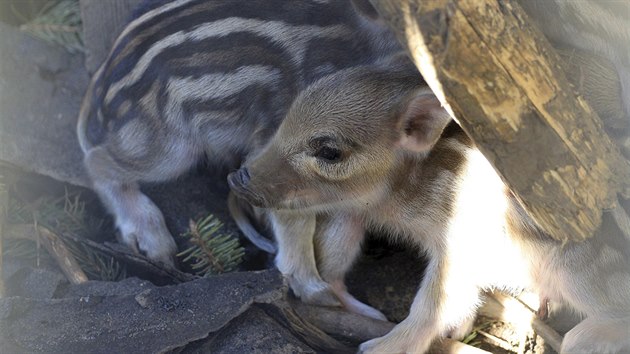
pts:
[324, 297]
[316, 293]
[375, 346]
[162, 251]
[401, 339]
[353, 305]
[356, 306]
[156, 243]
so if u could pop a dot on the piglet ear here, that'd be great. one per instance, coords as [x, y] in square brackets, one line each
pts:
[365, 8]
[421, 123]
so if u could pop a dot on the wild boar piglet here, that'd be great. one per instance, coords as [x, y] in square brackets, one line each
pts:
[207, 79]
[371, 148]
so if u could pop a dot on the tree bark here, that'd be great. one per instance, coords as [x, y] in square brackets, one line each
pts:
[504, 83]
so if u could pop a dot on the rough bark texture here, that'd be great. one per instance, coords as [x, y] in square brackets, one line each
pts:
[504, 84]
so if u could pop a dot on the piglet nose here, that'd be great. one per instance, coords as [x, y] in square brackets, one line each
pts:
[240, 178]
[243, 176]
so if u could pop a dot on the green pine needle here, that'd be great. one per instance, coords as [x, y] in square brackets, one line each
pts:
[59, 22]
[212, 252]
[95, 264]
[62, 215]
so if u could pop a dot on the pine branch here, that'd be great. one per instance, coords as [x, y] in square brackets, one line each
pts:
[95, 264]
[58, 23]
[62, 215]
[212, 252]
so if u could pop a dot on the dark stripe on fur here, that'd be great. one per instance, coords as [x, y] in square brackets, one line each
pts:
[159, 69]
[163, 25]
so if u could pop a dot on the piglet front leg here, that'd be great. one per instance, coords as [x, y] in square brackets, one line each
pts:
[338, 242]
[296, 257]
[446, 301]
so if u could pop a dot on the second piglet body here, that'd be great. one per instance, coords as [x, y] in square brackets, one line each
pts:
[214, 78]
[368, 149]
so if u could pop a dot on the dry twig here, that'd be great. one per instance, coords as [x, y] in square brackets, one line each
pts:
[499, 342]
[356, 328]
[149, 270]
[64, 258]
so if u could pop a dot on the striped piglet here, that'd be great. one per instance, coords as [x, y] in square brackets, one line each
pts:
[190, 79]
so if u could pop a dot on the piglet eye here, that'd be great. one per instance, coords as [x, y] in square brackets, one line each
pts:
[328, 154]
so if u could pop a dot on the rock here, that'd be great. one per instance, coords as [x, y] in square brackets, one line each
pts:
[252, 332]
[128, 286]
[102, 22]
[172, 316]
[35, 283]
[41, 87]
[142, 299]
[11, 266]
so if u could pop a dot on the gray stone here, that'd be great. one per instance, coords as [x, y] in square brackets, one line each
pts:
[172, 316]
[128, 286]
[102, 22]
[35, 283]
[41, 87]
[252, 332]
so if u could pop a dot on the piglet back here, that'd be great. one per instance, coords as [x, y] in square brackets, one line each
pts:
[222, 65]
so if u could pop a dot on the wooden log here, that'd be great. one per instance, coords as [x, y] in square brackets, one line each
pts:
[504, 83]
[356, 328]
[286, 315]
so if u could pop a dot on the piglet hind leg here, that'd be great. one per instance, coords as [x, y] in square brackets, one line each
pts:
[442, 304]
[338, 240]
[295, 259]
[594, 277]
[601, 334]
[139, 221]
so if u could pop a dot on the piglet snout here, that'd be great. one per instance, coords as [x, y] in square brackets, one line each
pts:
[239, 179]
[239, 182]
